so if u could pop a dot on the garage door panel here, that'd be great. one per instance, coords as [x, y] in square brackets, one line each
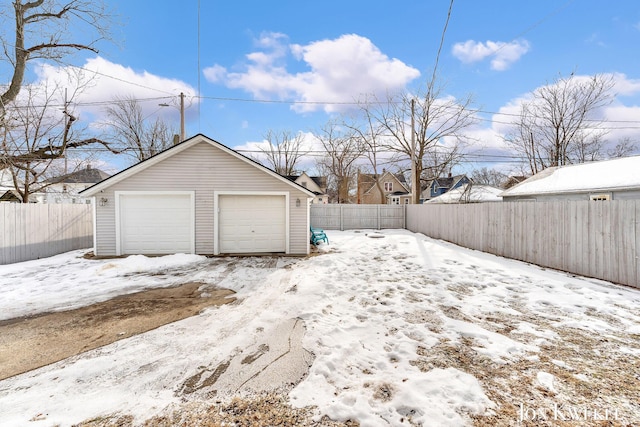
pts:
[156, 223]
[252, 224]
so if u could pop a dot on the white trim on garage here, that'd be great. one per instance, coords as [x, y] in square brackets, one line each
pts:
[94, 214]
[191, 194]
[216, 216]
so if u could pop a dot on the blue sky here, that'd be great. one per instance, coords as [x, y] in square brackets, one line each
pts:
[335, 51]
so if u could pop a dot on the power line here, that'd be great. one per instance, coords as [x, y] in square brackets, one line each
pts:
[266, 101]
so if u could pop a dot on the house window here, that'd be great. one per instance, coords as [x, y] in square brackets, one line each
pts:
[320, 199]
[395, 200]
[599, 197]
[406, 201]
[388, 187]
[304, 184]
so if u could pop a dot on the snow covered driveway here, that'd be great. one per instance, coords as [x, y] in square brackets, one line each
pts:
[404, 330]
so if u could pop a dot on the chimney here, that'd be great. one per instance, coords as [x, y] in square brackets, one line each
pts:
[176, 139]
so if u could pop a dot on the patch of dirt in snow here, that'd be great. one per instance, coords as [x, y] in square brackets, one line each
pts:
[591, 371]
[47, 338]
[264, 410]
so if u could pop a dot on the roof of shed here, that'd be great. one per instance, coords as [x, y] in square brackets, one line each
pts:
[606, 175]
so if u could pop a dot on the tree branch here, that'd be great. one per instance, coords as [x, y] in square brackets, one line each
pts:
[76, 46]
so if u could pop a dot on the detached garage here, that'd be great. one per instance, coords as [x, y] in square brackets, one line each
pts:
[199, 197]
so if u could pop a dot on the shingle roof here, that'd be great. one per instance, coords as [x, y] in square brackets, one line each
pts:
[321, 181]
[87, 175]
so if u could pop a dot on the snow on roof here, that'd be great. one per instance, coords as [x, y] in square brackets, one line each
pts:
[617, 174]
[478, 193]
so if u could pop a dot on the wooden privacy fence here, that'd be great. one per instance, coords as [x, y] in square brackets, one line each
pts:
[354, 217]
[32, 231]
[594, 239]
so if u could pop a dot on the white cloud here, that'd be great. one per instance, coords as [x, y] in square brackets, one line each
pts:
[341, 70]
[625, 86]
[503, 54]
[101, 81]
[215, 74]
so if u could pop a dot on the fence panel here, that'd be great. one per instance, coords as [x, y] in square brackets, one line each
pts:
[595, 239]
[355, 217]
[32, 231]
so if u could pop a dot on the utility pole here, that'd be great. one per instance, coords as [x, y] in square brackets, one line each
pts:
[66, 117]
[414, 178]
[182, 135]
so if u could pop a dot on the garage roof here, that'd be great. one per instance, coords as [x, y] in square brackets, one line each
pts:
[132, 170]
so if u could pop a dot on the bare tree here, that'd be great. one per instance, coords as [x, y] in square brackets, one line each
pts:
[438, 119]
[370, 135]
[624, 147]
[135, 135]
[557, 125]
[342, 150]
[284, 151]
[488, 176]
[37, 137]
[586, 148]
[43, 30]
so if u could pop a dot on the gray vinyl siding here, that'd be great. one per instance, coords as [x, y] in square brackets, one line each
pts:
[626, 195]
[615, 195]
[202, 168]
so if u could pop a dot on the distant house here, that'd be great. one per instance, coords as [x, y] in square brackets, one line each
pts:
[513, 180]
[438, 186]
[62, 189]
[8, 192]
[9, 195]
[616, 179]
[386, 188]
[316, 184]
[65, 189]
[470, 193]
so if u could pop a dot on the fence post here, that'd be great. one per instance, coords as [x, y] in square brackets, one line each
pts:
[404, 217]
[341, 218]
[378, 216]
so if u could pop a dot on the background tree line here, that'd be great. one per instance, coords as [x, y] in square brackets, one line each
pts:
[425, 130]
[556, 125]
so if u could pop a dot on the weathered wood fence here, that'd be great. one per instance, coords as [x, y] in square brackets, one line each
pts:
[594, 239]
[353, 217]
[32, 231]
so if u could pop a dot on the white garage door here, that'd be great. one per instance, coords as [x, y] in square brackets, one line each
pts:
[252, 224]
[156, 223]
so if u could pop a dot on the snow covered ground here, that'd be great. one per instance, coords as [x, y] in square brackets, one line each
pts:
[404, 329]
